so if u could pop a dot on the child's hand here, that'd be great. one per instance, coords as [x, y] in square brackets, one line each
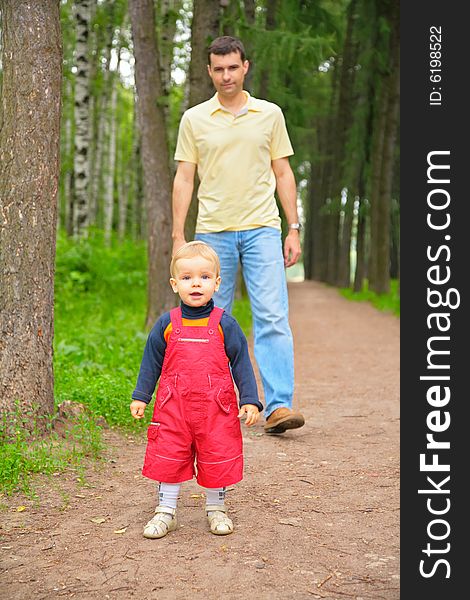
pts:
[252, 414]
[137, 408]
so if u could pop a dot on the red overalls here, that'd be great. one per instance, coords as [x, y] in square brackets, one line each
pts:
[196, 411]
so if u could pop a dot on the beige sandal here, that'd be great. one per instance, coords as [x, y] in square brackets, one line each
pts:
[162, 523]
[219, 522]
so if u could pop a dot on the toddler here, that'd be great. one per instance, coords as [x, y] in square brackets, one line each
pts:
[194, 351]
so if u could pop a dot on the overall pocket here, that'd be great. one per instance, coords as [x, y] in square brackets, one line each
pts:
[225, 398]
[153, 431]
[163, 395]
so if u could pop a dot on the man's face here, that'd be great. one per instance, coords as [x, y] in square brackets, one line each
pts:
[228, 73]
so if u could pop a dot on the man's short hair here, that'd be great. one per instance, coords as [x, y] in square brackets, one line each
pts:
[196, 248]
[225, 45]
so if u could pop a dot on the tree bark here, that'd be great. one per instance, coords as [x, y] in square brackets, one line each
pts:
[204, 28]
[155, 159]
[110, 176]
[382, 174]
[271, 9]
[345, 109]
[82, 118]
[382, 282]
[29, 177]
[166, 27]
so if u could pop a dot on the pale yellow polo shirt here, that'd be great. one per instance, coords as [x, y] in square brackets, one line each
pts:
[233, 155]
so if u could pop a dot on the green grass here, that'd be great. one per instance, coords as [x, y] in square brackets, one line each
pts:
[100, 307]
[386, 302]
[25, 451]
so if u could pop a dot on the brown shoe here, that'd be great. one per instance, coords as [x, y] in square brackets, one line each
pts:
[283, 418]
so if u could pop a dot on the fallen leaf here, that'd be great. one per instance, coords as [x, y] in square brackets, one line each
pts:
[123, 530]
[98, 520]
[196, 496]
[79, 496]
[21, 508]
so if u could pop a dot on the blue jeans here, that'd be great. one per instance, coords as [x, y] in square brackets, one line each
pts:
[260, 254]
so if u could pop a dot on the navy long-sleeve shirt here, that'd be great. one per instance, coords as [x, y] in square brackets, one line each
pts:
[236, 348]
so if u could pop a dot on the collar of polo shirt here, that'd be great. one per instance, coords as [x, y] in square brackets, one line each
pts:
[250, 104]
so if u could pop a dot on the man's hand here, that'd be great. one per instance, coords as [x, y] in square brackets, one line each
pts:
[252, 414]
[292, 248]
[137, 409]
[177, 244]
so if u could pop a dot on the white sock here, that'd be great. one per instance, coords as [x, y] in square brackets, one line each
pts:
[168, 494]
[215, 496]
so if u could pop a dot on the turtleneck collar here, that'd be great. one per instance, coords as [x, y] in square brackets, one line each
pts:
[197, 312]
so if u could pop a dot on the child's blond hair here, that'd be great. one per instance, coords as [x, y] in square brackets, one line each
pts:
[196, 248]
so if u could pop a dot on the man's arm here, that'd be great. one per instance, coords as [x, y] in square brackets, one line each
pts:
[287, 192]
[183, 185]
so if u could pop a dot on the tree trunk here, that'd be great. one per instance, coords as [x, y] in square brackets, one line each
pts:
[271, 8]
[343, 276]
[166, 27]
[360, 272]
[136, 180]
[155, 159]
[376, 169]
[382, 282]
[123, 199]
[327, 261]
[66, 218]
[382, 173]
[109, 187]
[344, 119]
[205, 28]
[82, 118]
[29, 177]
[98, 146]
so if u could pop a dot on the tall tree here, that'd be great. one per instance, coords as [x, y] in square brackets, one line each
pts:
[345, 110]
[82, 117]
[29, 174]
[204, 28]
[110, 176]
[385, 132]
[155, 159]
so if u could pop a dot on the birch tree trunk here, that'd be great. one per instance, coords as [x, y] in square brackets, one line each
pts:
[82, 118]
[29, 177]
[155, 159]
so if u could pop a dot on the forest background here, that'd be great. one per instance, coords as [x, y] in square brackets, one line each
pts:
[92, 95]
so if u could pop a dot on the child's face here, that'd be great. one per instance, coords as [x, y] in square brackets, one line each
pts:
[195, 280]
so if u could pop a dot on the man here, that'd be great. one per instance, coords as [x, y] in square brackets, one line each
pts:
[240, 147]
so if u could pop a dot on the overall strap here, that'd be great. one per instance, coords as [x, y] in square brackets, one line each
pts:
[214, 319]
[176, 320]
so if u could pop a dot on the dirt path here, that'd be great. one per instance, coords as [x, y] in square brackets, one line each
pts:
[317, 515]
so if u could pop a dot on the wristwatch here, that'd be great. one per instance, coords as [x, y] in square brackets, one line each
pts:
[297, 226]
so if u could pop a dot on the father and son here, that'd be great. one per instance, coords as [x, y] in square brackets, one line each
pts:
[240, 147]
